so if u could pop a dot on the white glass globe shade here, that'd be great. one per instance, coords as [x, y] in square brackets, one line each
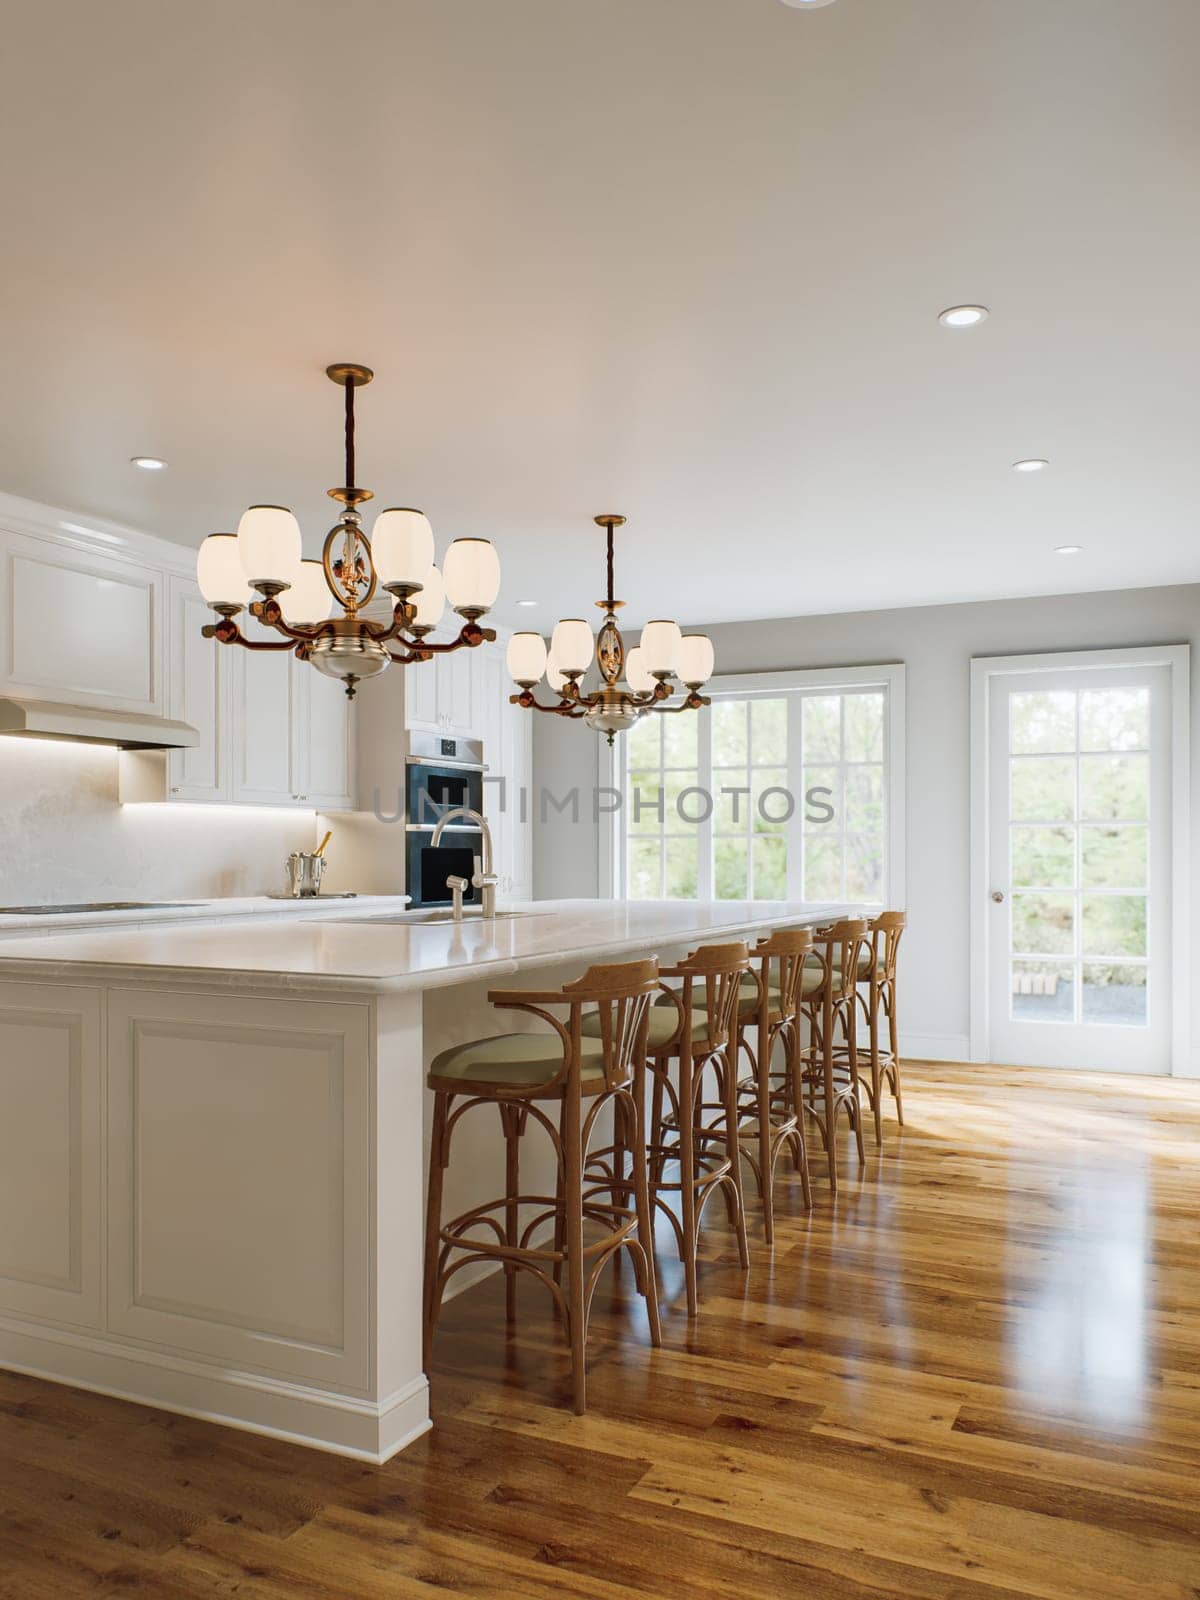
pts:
[219, 572]
[636, 675]
[526, 658]
[309, 599]
[269, 544]
[401, 546]
[556, 678]
[696, 659]
[660, 646]
[431, 602]
[472, 570]
[572, 646]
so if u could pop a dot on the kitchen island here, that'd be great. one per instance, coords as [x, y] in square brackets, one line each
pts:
[213, 1145]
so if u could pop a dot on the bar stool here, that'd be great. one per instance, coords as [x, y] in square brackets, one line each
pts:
[769, 1016]
[829, 1005]
[701, 1035]
[576, 1068]
[879, 1005]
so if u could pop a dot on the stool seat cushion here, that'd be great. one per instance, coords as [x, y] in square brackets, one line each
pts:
[522, 1060]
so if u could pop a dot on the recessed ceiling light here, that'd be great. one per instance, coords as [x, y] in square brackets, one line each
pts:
[806, 5]
[527, 602]
[1034, 464]
[148, 463]
[1068, 550]
[962, 316]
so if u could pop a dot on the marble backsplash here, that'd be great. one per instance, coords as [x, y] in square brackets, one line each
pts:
[67, 837]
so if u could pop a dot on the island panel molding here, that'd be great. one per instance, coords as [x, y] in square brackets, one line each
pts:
[50, 1152]
[238, 1185]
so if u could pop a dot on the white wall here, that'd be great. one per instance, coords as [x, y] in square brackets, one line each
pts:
[936, 643]
[66, 838]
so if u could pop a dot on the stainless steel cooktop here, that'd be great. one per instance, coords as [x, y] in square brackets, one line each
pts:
[96, 905]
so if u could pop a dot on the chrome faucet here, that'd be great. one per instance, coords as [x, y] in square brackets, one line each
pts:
[483, 879]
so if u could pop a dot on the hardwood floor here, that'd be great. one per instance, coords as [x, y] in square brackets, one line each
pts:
[974, 1376]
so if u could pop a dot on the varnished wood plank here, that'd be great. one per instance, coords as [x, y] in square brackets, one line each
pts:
[927, 1392]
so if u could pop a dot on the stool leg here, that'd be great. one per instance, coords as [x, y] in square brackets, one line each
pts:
[733, 1179]
[850, 1025]
[894, 1038]
[766, 1167]
[795, 1068]
[572, 1140]
[876, 1076]
[830, 1128]
[635, 1110]
[687, 1178]
[438, 1159]
[510, 1121]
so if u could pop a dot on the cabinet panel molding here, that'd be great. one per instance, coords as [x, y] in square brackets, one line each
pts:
[238, 1186]
[105, 647]
[51, 1069]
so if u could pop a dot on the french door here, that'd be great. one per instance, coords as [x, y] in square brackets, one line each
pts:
[1078, 839]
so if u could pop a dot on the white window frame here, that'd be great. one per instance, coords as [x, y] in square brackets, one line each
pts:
[1176, 658]
[889, 677]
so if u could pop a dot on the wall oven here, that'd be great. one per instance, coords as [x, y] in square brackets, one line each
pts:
[441, 773]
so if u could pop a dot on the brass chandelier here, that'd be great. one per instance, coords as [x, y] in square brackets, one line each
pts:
[297, 597]
[663, 654]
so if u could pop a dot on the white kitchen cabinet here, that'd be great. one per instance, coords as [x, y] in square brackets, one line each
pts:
[200, 693]
[105, 646]
[265, 763]
[420, 694]
[323, 747]
[457, 674]
[442, 696]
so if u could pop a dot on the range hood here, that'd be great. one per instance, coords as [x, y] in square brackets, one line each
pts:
[127, 730]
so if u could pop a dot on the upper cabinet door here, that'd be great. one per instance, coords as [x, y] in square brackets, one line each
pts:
[456, 686]
[200, 695]
[104, 646]
[264, 748]
[324, 753]
[420, 694]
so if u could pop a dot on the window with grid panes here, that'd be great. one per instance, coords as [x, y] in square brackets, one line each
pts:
[761, 797]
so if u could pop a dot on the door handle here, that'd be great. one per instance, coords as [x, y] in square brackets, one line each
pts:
[998, 896]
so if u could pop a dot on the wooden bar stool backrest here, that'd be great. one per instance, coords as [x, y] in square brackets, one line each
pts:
[840, 949]
[885, 932]
[622, 994]
[709, 983]
[778, 963]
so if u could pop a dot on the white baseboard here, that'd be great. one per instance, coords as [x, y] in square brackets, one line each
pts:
[935, 1046]
[1189, 1067]
[365, 1430]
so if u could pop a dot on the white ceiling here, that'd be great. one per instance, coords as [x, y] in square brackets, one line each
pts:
[676, 258]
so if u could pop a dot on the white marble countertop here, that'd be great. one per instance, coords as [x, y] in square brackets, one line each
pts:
[200, 911]
[348, 951]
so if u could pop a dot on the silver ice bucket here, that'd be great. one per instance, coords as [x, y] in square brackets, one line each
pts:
[305, 870]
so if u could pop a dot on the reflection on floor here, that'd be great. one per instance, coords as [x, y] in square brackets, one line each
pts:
[975, 1377]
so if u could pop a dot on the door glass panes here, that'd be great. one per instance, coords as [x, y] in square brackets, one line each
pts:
[1079, 854]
